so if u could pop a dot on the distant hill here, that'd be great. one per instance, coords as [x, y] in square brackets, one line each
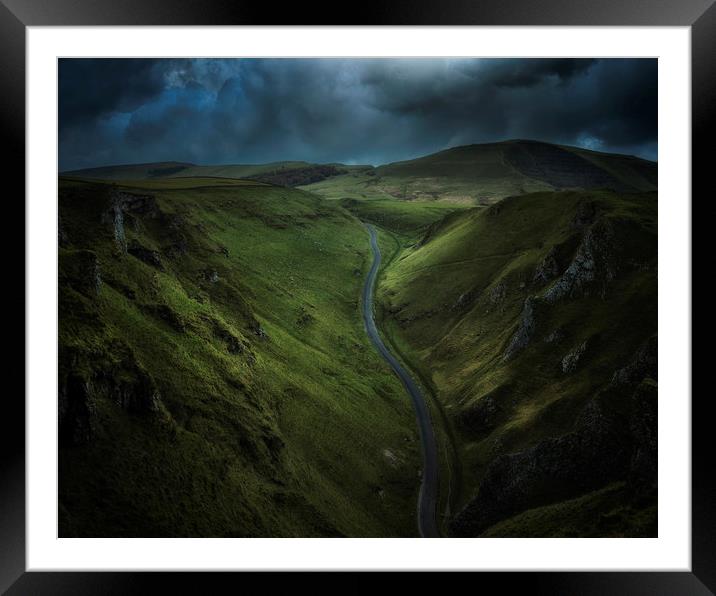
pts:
[138, 171]
[514, 167]
[282, 173]
[471, 174]
[483, 174]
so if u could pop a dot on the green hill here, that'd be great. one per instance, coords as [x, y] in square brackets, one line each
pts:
[215, 378]
[467, 175]
[482, 174]
[533, 322]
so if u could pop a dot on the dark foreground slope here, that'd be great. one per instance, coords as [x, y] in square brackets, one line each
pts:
[215, 377]
[534, 321]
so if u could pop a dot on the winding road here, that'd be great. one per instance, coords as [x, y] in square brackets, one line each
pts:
[427, 499]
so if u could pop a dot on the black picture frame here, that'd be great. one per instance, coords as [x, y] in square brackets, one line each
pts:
[16, 15]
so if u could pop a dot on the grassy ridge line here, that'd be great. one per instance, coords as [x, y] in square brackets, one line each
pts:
[443, 431]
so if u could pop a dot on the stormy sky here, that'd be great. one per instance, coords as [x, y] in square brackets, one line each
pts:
[222, 111]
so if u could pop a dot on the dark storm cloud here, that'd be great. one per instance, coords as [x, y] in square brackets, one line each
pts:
[348, 110]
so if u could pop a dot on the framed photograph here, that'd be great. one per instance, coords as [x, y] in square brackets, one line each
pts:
[411, 293]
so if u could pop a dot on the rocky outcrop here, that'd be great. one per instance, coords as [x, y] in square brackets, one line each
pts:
[136, 204]
[125, 384]
[211, 275]
[178, 244]
[554, 336]
[233, 344]
[585, 214]
[76, 411]
[525, 330]
[116, 218]
[146, 255]
[643, 365]
[124, 203]
[481, 417]
[548, 268]
[593, 266]
[165, 313]
[571, 360]
[497, 293]
[79, 269]
[613, 439]
[644, 461]
[62, 238]
[595, 453]
[466, 299]
[130, 387]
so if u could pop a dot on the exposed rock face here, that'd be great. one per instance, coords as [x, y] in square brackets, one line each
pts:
[585, 214]
[123, 203]
[211, 275]
[554, 336]
[643, 365]
[166, 314]
[62, 238]
[80, 270]
[137, 204]
[466, 299]
[133, 391]
[116, 217]
[125, 384]
[548, 269]
[233, 343]
[595, 453]
[613, 439]
[525, 330]
[150, 257]
[498, 293]
[570, 361]
[484, 415]
[594, 264]
[76, 410]
[178, 245]
[643, 466]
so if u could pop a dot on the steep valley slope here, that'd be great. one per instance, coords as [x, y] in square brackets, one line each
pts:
[215, 377]
[533, 323]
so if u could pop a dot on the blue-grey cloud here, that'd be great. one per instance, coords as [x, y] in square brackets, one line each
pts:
[345, 110]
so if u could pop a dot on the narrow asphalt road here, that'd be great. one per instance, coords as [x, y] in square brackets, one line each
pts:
[427, 499]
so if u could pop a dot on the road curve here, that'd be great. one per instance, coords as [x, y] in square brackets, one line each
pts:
[427, 499]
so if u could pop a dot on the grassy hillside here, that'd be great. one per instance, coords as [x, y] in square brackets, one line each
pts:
[534, 323]
[482, 174]
[215, 378]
